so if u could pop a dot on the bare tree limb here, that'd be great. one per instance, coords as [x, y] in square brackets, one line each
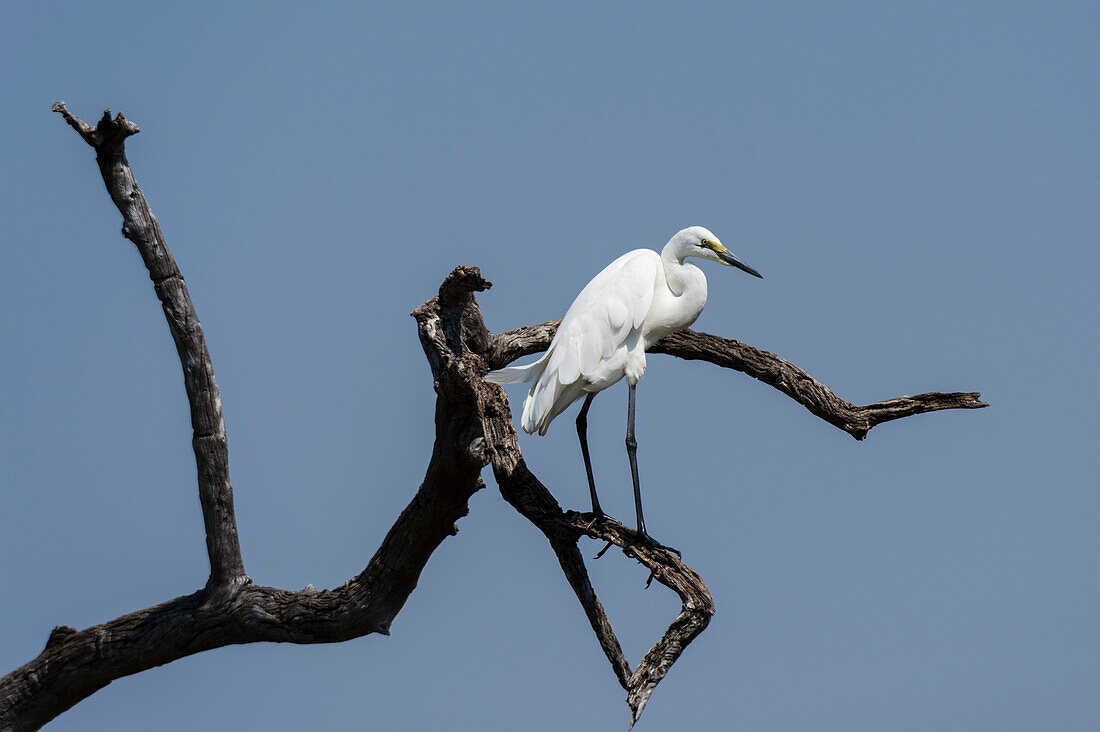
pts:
[140, 226]
[77, 663]
[762, 365]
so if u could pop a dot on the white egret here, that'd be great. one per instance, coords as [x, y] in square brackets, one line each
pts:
[639, 298]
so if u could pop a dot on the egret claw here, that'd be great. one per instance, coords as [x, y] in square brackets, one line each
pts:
[596, 519]
[646, 540]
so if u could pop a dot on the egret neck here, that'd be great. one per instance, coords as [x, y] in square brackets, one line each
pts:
[682, 298]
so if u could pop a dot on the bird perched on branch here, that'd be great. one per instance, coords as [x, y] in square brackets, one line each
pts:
[639, 298]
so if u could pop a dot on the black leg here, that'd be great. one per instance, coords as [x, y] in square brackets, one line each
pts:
[582, 433]
[632, 454]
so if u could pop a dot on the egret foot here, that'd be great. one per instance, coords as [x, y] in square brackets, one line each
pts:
[604, 550]
[597, 517]
[644, 539]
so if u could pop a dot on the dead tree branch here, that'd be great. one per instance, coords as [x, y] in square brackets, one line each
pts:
[762, 365]
[140, 226]
[473, 425]
[75, 664]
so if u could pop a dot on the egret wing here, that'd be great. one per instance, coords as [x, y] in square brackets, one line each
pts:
[607, 312]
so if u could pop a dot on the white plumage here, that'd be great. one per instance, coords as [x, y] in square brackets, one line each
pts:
[597, 343]
[636, 300]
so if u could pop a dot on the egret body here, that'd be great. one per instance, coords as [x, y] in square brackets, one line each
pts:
[639, 298]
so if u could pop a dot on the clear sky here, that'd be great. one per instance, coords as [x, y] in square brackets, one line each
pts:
[919, 187]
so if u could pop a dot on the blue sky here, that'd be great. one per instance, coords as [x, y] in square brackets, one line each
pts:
[918, 185]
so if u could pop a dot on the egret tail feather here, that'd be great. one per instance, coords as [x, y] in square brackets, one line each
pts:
[510, 375]
[517, 374]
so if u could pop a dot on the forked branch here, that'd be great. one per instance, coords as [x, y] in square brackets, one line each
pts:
[230, 610]
[474, 428]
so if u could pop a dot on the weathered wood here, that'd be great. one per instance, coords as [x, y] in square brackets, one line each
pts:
[140, 226]
[75, 664]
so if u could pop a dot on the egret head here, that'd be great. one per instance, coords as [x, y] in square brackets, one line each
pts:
[696, 241]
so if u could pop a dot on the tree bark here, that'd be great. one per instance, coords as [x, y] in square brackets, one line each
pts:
[473, 429]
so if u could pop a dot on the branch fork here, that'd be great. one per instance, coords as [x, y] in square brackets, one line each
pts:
[455, 340]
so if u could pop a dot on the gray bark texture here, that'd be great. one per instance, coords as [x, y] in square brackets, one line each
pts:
[473, 429]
